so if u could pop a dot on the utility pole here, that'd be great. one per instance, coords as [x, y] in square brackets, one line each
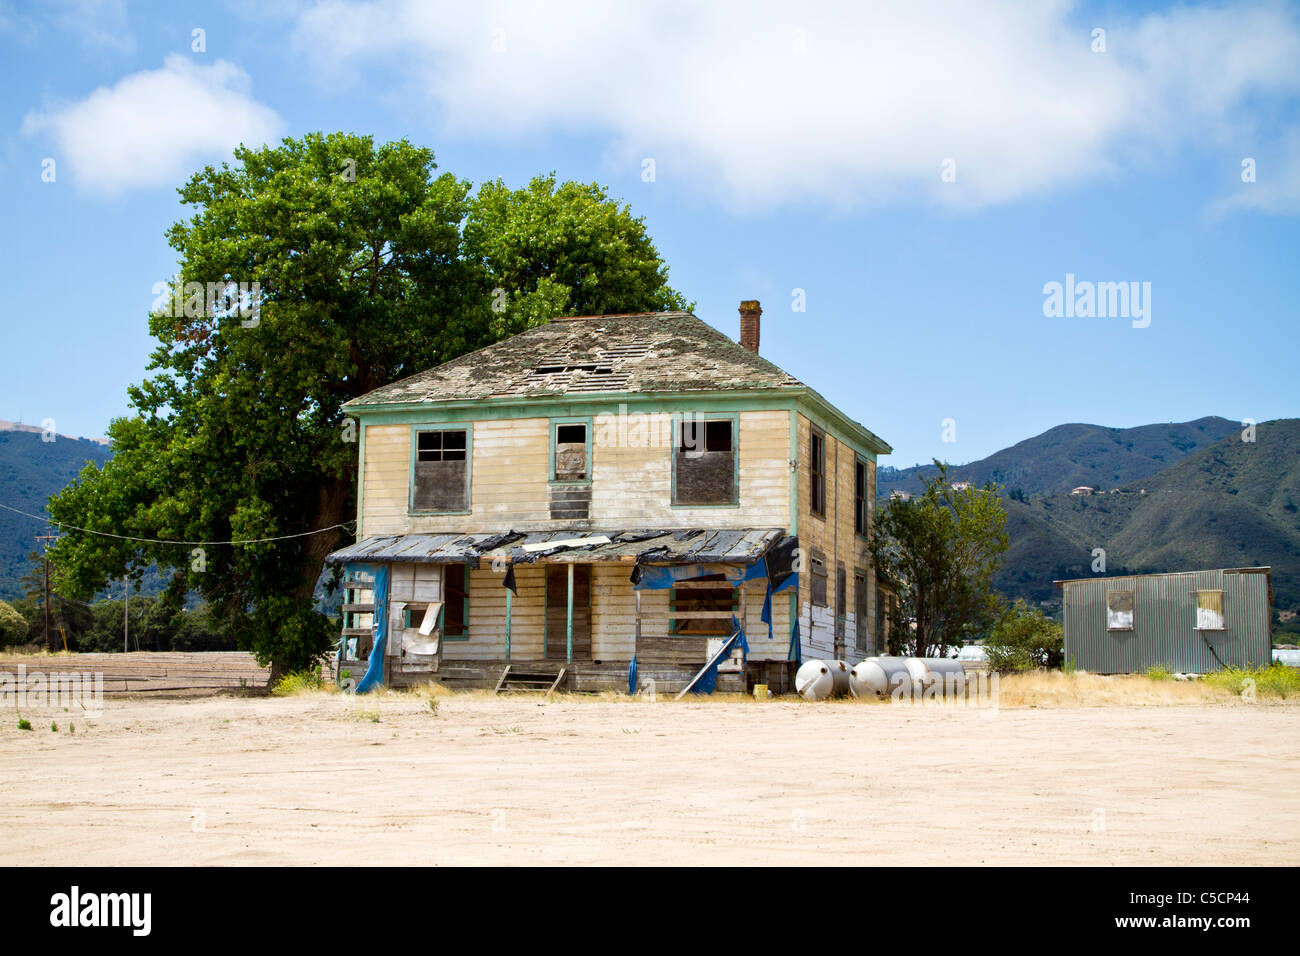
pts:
[45, 555]
[126, 610]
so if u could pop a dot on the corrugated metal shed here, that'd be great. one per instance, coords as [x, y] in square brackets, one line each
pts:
[688, 545]
[1164, 631]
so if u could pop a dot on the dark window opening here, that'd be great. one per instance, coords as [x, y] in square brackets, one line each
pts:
[571, 434]
[440, 446]
[817, 470]
[860, 516]
[455, 605]
[441, 476]
[705, 460]
[701, 610]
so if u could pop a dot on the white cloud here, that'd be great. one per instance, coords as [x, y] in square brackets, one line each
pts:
[154, 128]
[723, 96]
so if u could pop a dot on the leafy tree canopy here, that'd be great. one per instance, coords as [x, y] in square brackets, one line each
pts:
[311, 273]
[941, 549]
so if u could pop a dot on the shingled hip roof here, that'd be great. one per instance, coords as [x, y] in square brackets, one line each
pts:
[645, 352]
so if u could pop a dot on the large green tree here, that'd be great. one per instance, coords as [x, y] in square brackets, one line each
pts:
[368, 267]
[941, 549]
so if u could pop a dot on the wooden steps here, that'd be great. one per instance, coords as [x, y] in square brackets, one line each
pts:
[530, 678]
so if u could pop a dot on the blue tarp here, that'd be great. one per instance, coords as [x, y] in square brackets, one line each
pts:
[709, 680]
[657, 578]
[375, 670]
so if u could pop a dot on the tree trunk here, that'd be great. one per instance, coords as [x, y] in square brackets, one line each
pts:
[332, 499]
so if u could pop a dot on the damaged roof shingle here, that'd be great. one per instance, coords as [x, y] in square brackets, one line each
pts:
[647, 352]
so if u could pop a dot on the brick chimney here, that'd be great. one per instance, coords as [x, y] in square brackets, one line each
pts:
[750, 313]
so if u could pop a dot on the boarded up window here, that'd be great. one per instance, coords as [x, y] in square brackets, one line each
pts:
[702, 607]
[571, 453]
[1209, 611]
[817, 474]
[705, 458]
[455, 608]
[860, 610]
[817, 577]
[860, 517]
[441, 478]
[1119, 610]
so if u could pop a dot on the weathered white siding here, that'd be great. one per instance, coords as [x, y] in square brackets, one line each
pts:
[631, 480]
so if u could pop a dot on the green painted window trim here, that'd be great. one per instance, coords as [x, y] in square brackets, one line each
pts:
[443, 426]
[803, 400]
[550, 460]
[704, 416]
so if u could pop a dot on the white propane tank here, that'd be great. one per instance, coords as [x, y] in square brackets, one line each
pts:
[868, 679]
[948, 674]
[814, 681]
[878, 676]
[840, 675]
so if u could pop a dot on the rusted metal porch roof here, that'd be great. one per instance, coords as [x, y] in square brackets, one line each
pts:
[680, 546]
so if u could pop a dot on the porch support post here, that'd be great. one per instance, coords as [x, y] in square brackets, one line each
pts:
[509, 595]
[568, 622]
[637, 592]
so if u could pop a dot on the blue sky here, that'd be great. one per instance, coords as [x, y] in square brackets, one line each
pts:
[792, 151]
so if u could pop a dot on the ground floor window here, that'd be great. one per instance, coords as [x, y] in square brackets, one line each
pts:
[702, 606]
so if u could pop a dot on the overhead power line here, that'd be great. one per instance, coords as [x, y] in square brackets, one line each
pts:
[347, 526]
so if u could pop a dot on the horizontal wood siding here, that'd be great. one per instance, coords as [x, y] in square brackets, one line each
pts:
[631, 483]
[834, 535]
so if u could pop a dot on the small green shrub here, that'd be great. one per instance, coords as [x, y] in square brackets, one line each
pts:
[1159, 672]
[1023, 639]
[1277, 680]
[297, 682]
[24, 723]
[54, 727]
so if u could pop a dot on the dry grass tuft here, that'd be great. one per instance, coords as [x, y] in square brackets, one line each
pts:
[1058, 689]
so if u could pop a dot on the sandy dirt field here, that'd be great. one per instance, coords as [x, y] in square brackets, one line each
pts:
[518, 780]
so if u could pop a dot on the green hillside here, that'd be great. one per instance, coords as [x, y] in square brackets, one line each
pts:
[1067, 456]
[1232, 504]
[30, 471]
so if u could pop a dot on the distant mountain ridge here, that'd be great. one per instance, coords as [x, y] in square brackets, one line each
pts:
[30, 471]
[1068, 456]
[1232, 504]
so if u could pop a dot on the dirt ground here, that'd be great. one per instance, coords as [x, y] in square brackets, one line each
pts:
[517, 780]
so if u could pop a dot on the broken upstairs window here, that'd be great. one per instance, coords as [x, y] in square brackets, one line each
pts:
[440, 481]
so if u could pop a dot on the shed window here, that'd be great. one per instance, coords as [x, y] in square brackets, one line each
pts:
[1119, 610]
[701, 607]
[817, 469]
[1209, 611]
[571, 453]
[705, 463]
[440, 479]
[860, 515]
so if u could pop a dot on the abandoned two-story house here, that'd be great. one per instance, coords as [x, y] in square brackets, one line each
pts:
[602, 501]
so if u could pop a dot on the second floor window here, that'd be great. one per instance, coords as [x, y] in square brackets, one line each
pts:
[817, 474]
[861, 517]
[440, 473]
[704, 462]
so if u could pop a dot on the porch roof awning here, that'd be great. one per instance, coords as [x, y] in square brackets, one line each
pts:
[683, 546]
